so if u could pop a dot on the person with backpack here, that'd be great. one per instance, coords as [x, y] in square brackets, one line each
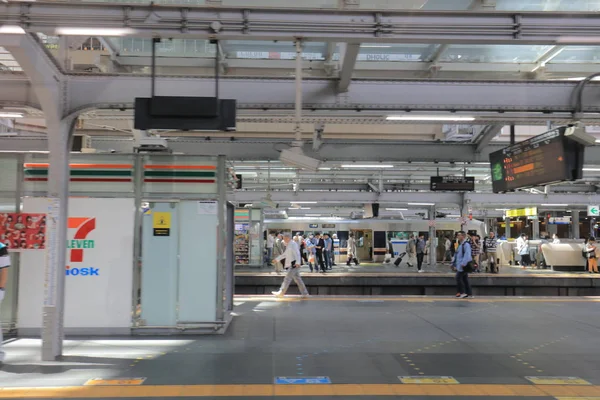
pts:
[463, 263]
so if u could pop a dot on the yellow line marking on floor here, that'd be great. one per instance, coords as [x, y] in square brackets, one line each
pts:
[115, 382]
[558, 380]
[247, 391]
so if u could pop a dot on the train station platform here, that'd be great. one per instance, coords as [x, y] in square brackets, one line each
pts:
[338, 347]
[378, 279]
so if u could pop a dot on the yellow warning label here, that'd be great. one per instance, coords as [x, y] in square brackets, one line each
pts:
[557, 380]
[161, 220]
[161, 223]
[428, 380]
[115, 382]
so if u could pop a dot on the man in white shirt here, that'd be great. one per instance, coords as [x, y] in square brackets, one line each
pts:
[292, 263]
[270, 243]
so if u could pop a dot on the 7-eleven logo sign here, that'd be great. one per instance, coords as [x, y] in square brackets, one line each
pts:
[77, 245]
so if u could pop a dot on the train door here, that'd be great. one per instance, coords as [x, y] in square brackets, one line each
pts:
[364, 244]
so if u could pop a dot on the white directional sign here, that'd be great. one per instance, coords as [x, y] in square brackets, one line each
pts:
[593, 211]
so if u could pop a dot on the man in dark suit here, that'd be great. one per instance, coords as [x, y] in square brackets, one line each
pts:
[320, 247]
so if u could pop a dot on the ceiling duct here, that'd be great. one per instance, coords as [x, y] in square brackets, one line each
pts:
[461, 133]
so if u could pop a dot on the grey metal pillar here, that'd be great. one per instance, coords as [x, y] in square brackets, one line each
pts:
[432, 238]
[575, 224]
[464, 213]
[138, 181]
[222, 238]
[59, 138]
[507, 228]
[535, 228]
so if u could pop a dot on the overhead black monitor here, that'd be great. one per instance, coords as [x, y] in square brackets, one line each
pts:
[452, 183]
[185, 113]
[547, 158]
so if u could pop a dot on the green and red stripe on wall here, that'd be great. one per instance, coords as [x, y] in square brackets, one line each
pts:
[116, 173]
[159, 173]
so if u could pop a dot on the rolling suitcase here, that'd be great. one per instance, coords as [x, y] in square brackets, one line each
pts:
[399, 259]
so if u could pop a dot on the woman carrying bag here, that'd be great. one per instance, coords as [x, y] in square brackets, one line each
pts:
[591, 248]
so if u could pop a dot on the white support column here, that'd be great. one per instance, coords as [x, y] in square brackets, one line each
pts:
[59, 135]
[432, 238]
[51, 88]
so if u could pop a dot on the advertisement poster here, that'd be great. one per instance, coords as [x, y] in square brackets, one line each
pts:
[98, 269]
[21, 231]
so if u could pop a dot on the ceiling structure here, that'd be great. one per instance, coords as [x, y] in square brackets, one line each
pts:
[500, 62]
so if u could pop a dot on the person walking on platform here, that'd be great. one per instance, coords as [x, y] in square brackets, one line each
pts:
[463, 264]
[4, 264]
[591, 250]
[351, 249]
[490, 246]
[421, 245]
[319, 248]
[270, 244]
[411, 251]
[333, 239]
[447, 249]
[327, 250]
[278, 249]
[291, 255]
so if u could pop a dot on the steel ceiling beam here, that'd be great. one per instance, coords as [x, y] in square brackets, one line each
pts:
[333, 150]
[350, 54]
[228, 23]
[486, 136]
[476, 199]
[118, 91]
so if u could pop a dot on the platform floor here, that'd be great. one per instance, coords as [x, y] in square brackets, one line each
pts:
[380, 268]
[362, 345]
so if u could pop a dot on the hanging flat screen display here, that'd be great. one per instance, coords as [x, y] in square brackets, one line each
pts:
[452, 183]
[547, 158]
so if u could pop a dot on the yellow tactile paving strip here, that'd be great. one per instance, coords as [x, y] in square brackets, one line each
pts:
[247, 391]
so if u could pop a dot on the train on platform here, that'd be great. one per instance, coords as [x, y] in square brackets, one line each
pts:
[372, 235]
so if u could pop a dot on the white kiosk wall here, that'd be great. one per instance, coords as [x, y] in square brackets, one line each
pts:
[99, 271]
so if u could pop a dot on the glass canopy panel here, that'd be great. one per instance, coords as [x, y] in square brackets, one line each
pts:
[548, 5]
[395, 52]
[133, 46]
[578, 54]
[493, 53]
[268, 50]
[7, 61]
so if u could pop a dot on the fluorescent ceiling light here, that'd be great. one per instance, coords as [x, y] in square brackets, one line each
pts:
[367, 166]
[304, 208]
[313, 215]
[578, 40]
[94, 31]
[12, 29]
[396, 209]
[502, 209]
[249, 173]
[303, 202]
[452, 216]
[421, 204]
[591, 169]
[555, 205]
[409, 117]
[324, 169]
[10, 114]
[375, 46]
